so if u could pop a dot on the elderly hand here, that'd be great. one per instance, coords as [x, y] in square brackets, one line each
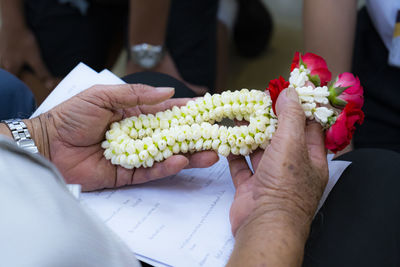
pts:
[290, 175]
[71, 135]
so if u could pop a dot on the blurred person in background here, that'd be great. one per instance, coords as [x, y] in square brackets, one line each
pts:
[248, 25]
[42, 40]
[12, 90]
[364, 45]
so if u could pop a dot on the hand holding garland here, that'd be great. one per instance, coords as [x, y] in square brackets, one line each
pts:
[70, 135]
[273, 207]
[141, 141]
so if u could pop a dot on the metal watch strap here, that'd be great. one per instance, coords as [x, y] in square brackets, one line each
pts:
[21, 135]
[146, 55]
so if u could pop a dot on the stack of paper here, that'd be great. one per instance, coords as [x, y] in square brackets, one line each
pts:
[182, 220]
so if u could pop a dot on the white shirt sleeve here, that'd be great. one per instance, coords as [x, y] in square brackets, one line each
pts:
[42, 224]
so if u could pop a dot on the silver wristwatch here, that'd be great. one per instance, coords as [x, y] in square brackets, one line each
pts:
[146, 55]
[21, 135]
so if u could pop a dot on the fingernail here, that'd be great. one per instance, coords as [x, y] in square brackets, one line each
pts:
[165, 89]
[292, 94]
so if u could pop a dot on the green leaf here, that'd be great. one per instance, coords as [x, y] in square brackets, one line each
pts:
[339, 90]
[315, 80]
[332, 83]
[337, 102]
[301, 62]
[331, 120]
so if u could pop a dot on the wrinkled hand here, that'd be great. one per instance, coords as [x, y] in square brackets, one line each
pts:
[290, 175]
[18, 47]
[167, 66]
[76, 128]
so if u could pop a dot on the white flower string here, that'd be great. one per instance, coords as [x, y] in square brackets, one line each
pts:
[141, 141]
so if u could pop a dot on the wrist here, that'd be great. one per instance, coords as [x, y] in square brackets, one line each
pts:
[278, 220]
[5, 131]
[273, 238]
[38, 129]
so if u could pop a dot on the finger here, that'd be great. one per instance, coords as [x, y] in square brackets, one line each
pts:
[255, 158]
[126, 95]
[168, 167]
[291, 119]
[315, 143]
[202, 159]
[168, 104]
[239, 169]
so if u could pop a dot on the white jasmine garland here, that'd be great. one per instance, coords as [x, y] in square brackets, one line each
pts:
[224, 150]
[215, 144]
[175, 148]
[207, 144]
[184, 147]
[235, 150]
[141, 141]
[299, 77]
[322, 114]
[159, 157]
[167, 153]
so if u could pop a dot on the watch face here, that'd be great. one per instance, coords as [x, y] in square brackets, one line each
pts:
[146, 56]
[148, 60]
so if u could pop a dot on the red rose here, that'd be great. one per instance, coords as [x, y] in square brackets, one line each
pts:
[340, 133]
[347, 88]
[320, 75]
[275, 87]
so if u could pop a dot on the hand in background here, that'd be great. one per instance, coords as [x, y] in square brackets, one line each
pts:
[290, 175]
[167, 66]
[19, 48]
[76, 128]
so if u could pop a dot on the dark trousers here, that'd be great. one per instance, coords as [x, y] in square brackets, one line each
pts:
[66, 37]
[359, 223]
[157, 79]
[381, 82]
[16, 100]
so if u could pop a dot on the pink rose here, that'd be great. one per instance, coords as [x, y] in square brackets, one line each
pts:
[275, 87]
[338, 136]
[320, 75]
[347, 88]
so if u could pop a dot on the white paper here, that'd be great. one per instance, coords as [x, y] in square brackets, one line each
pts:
[182, 220]
[79, 79]
[336, 168]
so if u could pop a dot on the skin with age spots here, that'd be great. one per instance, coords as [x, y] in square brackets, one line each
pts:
[272, 210]
[76, 128]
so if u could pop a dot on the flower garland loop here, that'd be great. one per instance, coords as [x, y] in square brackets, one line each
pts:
[141, 141]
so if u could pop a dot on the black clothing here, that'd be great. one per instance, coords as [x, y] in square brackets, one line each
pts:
[358, 225]
[381, 82]
[66, 37]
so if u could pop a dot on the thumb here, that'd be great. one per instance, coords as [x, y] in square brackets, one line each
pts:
[291, 117]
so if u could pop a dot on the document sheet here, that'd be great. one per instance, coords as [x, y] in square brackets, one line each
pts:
[181, 220]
